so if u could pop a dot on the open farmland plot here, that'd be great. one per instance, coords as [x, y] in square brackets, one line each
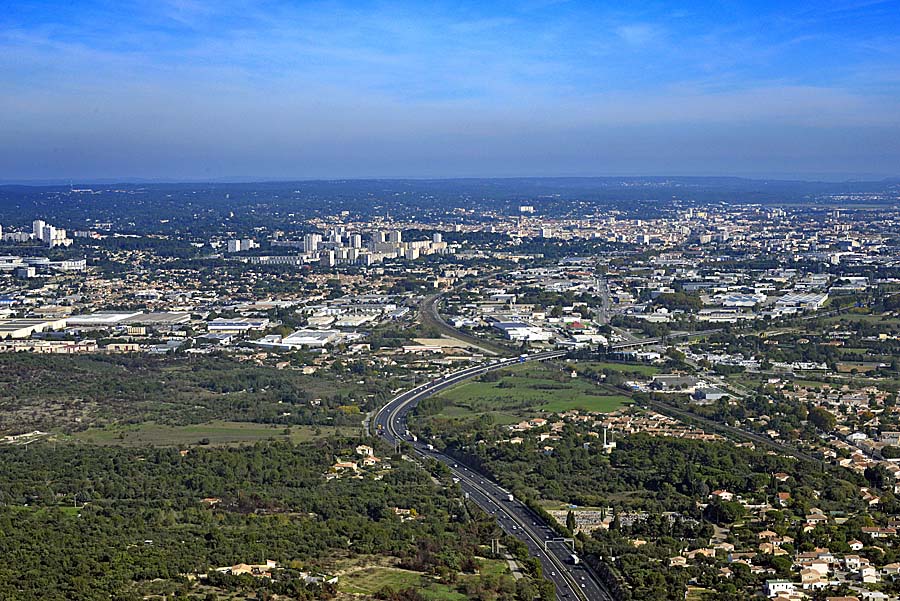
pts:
[524, 390]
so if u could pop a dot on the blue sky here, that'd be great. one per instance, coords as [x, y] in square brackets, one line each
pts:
[197, 89]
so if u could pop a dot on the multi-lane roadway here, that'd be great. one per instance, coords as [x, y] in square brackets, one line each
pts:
[573, 579]
[429, 315]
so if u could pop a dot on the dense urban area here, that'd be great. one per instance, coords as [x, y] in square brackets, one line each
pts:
[633, 389]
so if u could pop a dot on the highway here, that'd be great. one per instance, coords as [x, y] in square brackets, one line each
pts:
[633, 341]
[573, 581]
[430, 316]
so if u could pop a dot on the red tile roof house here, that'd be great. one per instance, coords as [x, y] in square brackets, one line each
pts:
[876, 532]
[722, 494]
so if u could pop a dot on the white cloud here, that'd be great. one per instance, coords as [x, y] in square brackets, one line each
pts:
[639, 34]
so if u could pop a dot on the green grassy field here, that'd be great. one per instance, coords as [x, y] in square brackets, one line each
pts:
[625, 368]
[217, 433]
[695, 593]
[861, 367]
[809, 383]
[370, 580]
[855, 351]
[866, 317]
[525, 389]
[494, 567]
[603, 404]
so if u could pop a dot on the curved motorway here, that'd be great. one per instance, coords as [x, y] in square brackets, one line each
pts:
[572, 581]
[430, 316]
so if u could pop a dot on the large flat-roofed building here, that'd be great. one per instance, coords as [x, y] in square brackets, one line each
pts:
[311, 338]
[742, 300]
[9, 262]
[161, 318]
[49, 347]
[277, 260]
[25, 328]
[803, 301]
[69, 265]
[353, 321]
[519, 331]
[300, 339]
[237, 325]
[102, 318]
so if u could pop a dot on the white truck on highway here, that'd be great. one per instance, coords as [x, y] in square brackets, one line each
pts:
[575, 560]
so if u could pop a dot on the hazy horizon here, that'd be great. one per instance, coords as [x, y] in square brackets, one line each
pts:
[799, 178]
[195, 90]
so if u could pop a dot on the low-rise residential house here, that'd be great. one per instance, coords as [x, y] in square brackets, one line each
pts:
[822, 567]
[892, 570]
[812, 579]
[817, 554]
[722, 494]
[877, 532]
[701, 552]
[782, 540]
[868, 574]
[771, 549]
[774, 588]
[258, 570]
[813, 520]
[869, 497]
[741, 557]
[724, 546]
